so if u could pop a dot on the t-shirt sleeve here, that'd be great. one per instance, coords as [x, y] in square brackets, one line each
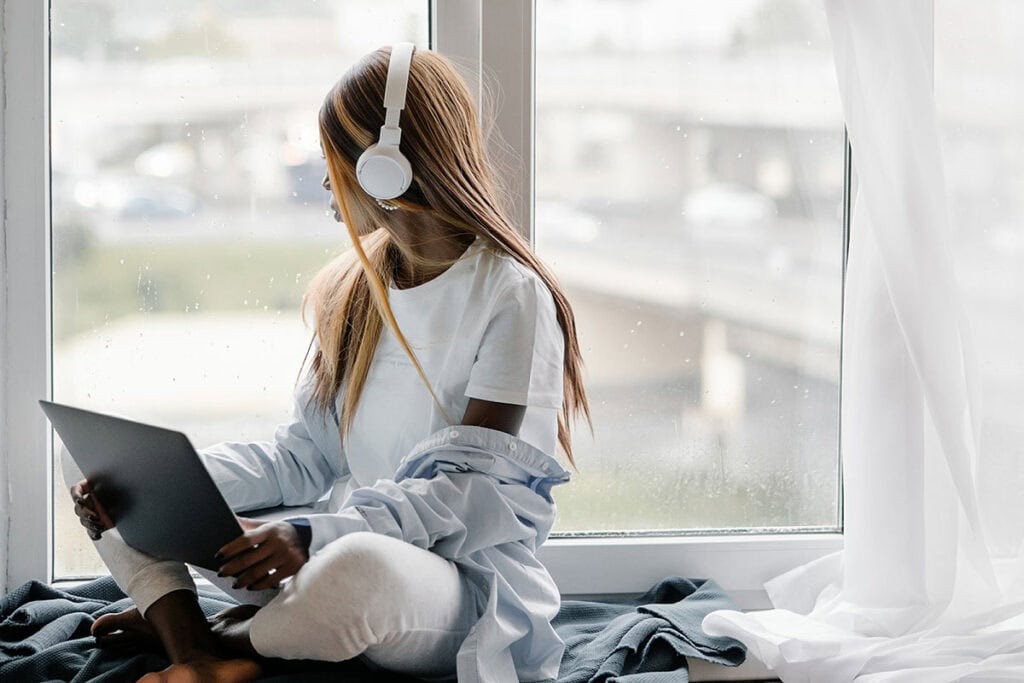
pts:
[520, 358]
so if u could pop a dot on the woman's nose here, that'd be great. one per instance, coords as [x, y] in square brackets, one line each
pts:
[326, 182]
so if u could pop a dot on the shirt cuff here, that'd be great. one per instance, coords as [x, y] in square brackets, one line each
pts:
[304, 530]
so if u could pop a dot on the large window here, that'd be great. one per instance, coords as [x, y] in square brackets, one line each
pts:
[689, 185]
[682, 168]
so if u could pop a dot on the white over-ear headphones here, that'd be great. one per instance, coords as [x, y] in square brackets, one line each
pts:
[382, 170]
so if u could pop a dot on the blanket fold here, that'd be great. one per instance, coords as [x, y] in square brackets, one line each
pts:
[645, 639]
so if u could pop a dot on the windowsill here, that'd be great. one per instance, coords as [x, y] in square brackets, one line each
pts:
[740, 564]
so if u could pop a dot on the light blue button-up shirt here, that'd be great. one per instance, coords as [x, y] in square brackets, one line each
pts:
[473, 495]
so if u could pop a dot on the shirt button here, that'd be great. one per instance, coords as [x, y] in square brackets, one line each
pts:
[453, 434]
[511, 446]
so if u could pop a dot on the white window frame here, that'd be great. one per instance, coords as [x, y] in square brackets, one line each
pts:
[477, 33]
[25, 441]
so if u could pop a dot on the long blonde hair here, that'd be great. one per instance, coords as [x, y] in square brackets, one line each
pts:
[453, 182]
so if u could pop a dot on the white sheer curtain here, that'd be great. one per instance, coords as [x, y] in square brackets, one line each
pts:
[916, 594]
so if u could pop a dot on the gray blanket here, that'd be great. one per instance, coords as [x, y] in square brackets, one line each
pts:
[44, 636]
[645, 639]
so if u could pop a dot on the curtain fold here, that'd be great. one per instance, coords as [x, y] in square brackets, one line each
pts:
[914, 595]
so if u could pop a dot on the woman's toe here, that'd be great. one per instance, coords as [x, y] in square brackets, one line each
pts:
[124, 629]
[119, 621]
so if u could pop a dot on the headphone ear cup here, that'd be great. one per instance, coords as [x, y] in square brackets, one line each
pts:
[383, 171]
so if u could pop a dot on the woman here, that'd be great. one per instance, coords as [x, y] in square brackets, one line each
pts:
[444, 373]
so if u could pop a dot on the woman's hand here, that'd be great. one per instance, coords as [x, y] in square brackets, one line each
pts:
[90, 511]
[263, 556]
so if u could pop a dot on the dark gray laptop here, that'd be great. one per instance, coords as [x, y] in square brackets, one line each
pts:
[152, 483]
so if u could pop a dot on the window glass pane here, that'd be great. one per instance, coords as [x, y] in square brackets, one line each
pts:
[979, 69]
[689, 182]
[187, 208]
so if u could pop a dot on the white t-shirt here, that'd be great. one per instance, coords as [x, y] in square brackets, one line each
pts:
[484, 328]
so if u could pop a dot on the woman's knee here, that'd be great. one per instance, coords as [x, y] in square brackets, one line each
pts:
[363, 548]
[376, 579]
[361, 566]
[341, 602]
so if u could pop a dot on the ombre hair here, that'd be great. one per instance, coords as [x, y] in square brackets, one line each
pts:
[453, 182]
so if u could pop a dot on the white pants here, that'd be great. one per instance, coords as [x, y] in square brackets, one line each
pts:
[388, 602]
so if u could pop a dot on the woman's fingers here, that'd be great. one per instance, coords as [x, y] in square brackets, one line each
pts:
[271, 580]
[239, 563]
[257, 572]
[253, 555]
[91, 513]
[97, 512]
[85, 513]
[88, 506]
[290, 568]
[90, 524]
[246, 541]
[94, 504]
[78, 495]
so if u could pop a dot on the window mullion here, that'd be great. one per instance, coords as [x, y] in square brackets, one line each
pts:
[455, 32]
[492, 43]
[507, 55]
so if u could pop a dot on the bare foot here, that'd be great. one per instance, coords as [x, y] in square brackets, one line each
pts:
[231, 629]
[207, 671]
[236, 613]
[126, 629]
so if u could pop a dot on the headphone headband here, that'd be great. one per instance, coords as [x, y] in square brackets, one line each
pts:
[398, 77]
[382, 170]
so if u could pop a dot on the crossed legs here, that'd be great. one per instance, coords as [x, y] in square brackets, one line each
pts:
[394, 605]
